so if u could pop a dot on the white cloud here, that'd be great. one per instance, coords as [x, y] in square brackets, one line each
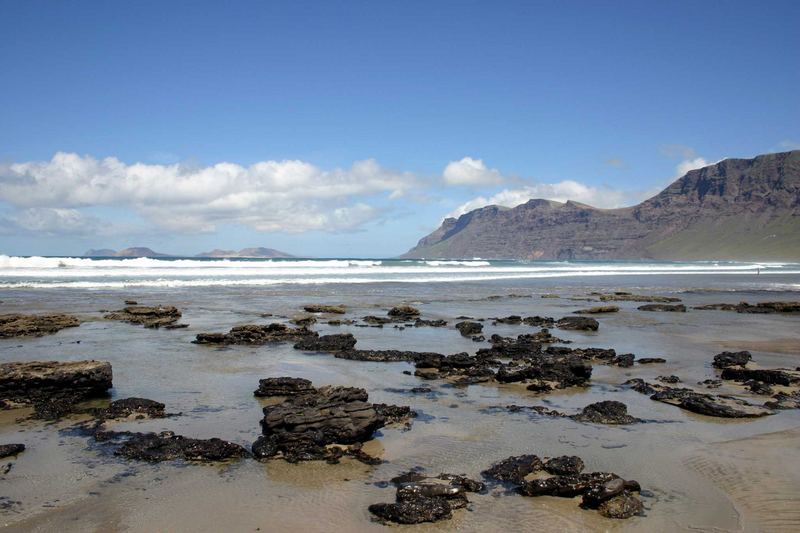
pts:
[562, 191]
[469, 171]
[690, 164]
[291, 196]
[49, 221]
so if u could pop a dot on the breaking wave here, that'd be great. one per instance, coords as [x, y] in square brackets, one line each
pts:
[79, 272]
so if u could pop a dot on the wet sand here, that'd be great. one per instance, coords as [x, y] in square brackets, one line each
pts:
[700, 473]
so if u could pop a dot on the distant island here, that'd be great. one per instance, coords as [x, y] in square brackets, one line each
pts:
[737, 209]
[136, 251]
[246, 253]
[141, 251]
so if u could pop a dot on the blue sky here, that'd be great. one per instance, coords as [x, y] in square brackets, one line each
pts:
[353, 128]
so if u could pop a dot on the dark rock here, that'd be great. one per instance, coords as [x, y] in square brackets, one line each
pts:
[7, 450]
[726, 359]
[430, 323]
[769, 307]
[622, 506]
[606, 412]
[776, 376]
[669, 379]
[52, 387]
[547, 373]
[256, 334]
[327, 343]
[467, 329]
[624, 360]
[758, 387]
[386, 356]
[601, 309]
[715, 307]
[650, 360]
[35, 325]
[566, 465]
[166, 446]
[138, 408]
[322, 308]
[564, 486]
[578, 323]
[708, 404]
[599, 493]
[323, 424]
[394, 414]
[783, 400]
[513, 469]
[377, 320]
[413, 510]
[404, 311]
[640, 386]
[628, 297]
[283, 386]
[131, 302]
[539, 321]
[711, 383]
[757, 308]
[679, 308]
[149, 317]
[426, 499]
[303, 320]
[511, 319]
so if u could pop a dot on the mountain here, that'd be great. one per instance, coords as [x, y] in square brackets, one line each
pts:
[246, 252]
[137, 251]
[745, 209]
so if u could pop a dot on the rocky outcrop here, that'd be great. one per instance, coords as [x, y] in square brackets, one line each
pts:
[256, 334]
[726, 359]
[35, 325]
[735, 209]
[131, 409]
[420, 498]
[581, 323]
[600, 309]
[52, 387]
[283, 386]
[161, 316]
[678, 308]
[167, 446]
[7, 450]
[322, 424]
[697, 402]
[328, 309]
[606, 412]
[762, 308]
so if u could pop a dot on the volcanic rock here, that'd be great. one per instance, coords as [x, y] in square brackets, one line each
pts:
[283, 386]
[149, 317]
[578, 323]
[726, 359]
[678, 308]
[35, 325]
[256, 334]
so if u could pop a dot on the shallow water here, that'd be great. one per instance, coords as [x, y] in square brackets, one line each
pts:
[701, 473]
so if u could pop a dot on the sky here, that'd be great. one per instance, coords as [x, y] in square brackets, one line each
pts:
[351, 129]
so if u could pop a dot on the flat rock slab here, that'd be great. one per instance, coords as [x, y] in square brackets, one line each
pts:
[150, 317]
[32, 381]
[166, 446]
[7, 450]
[256, 334]
[16, 325]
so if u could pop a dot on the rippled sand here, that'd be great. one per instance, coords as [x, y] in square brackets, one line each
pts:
[702, 474]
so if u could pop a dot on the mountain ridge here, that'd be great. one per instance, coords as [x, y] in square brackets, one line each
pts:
[734, 209]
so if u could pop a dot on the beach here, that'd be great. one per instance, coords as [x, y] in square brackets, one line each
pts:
[697, 472]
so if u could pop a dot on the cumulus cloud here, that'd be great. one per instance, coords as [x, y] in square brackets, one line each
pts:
[291, 196]
[561, 192]
[690, 164]
[469, 171]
